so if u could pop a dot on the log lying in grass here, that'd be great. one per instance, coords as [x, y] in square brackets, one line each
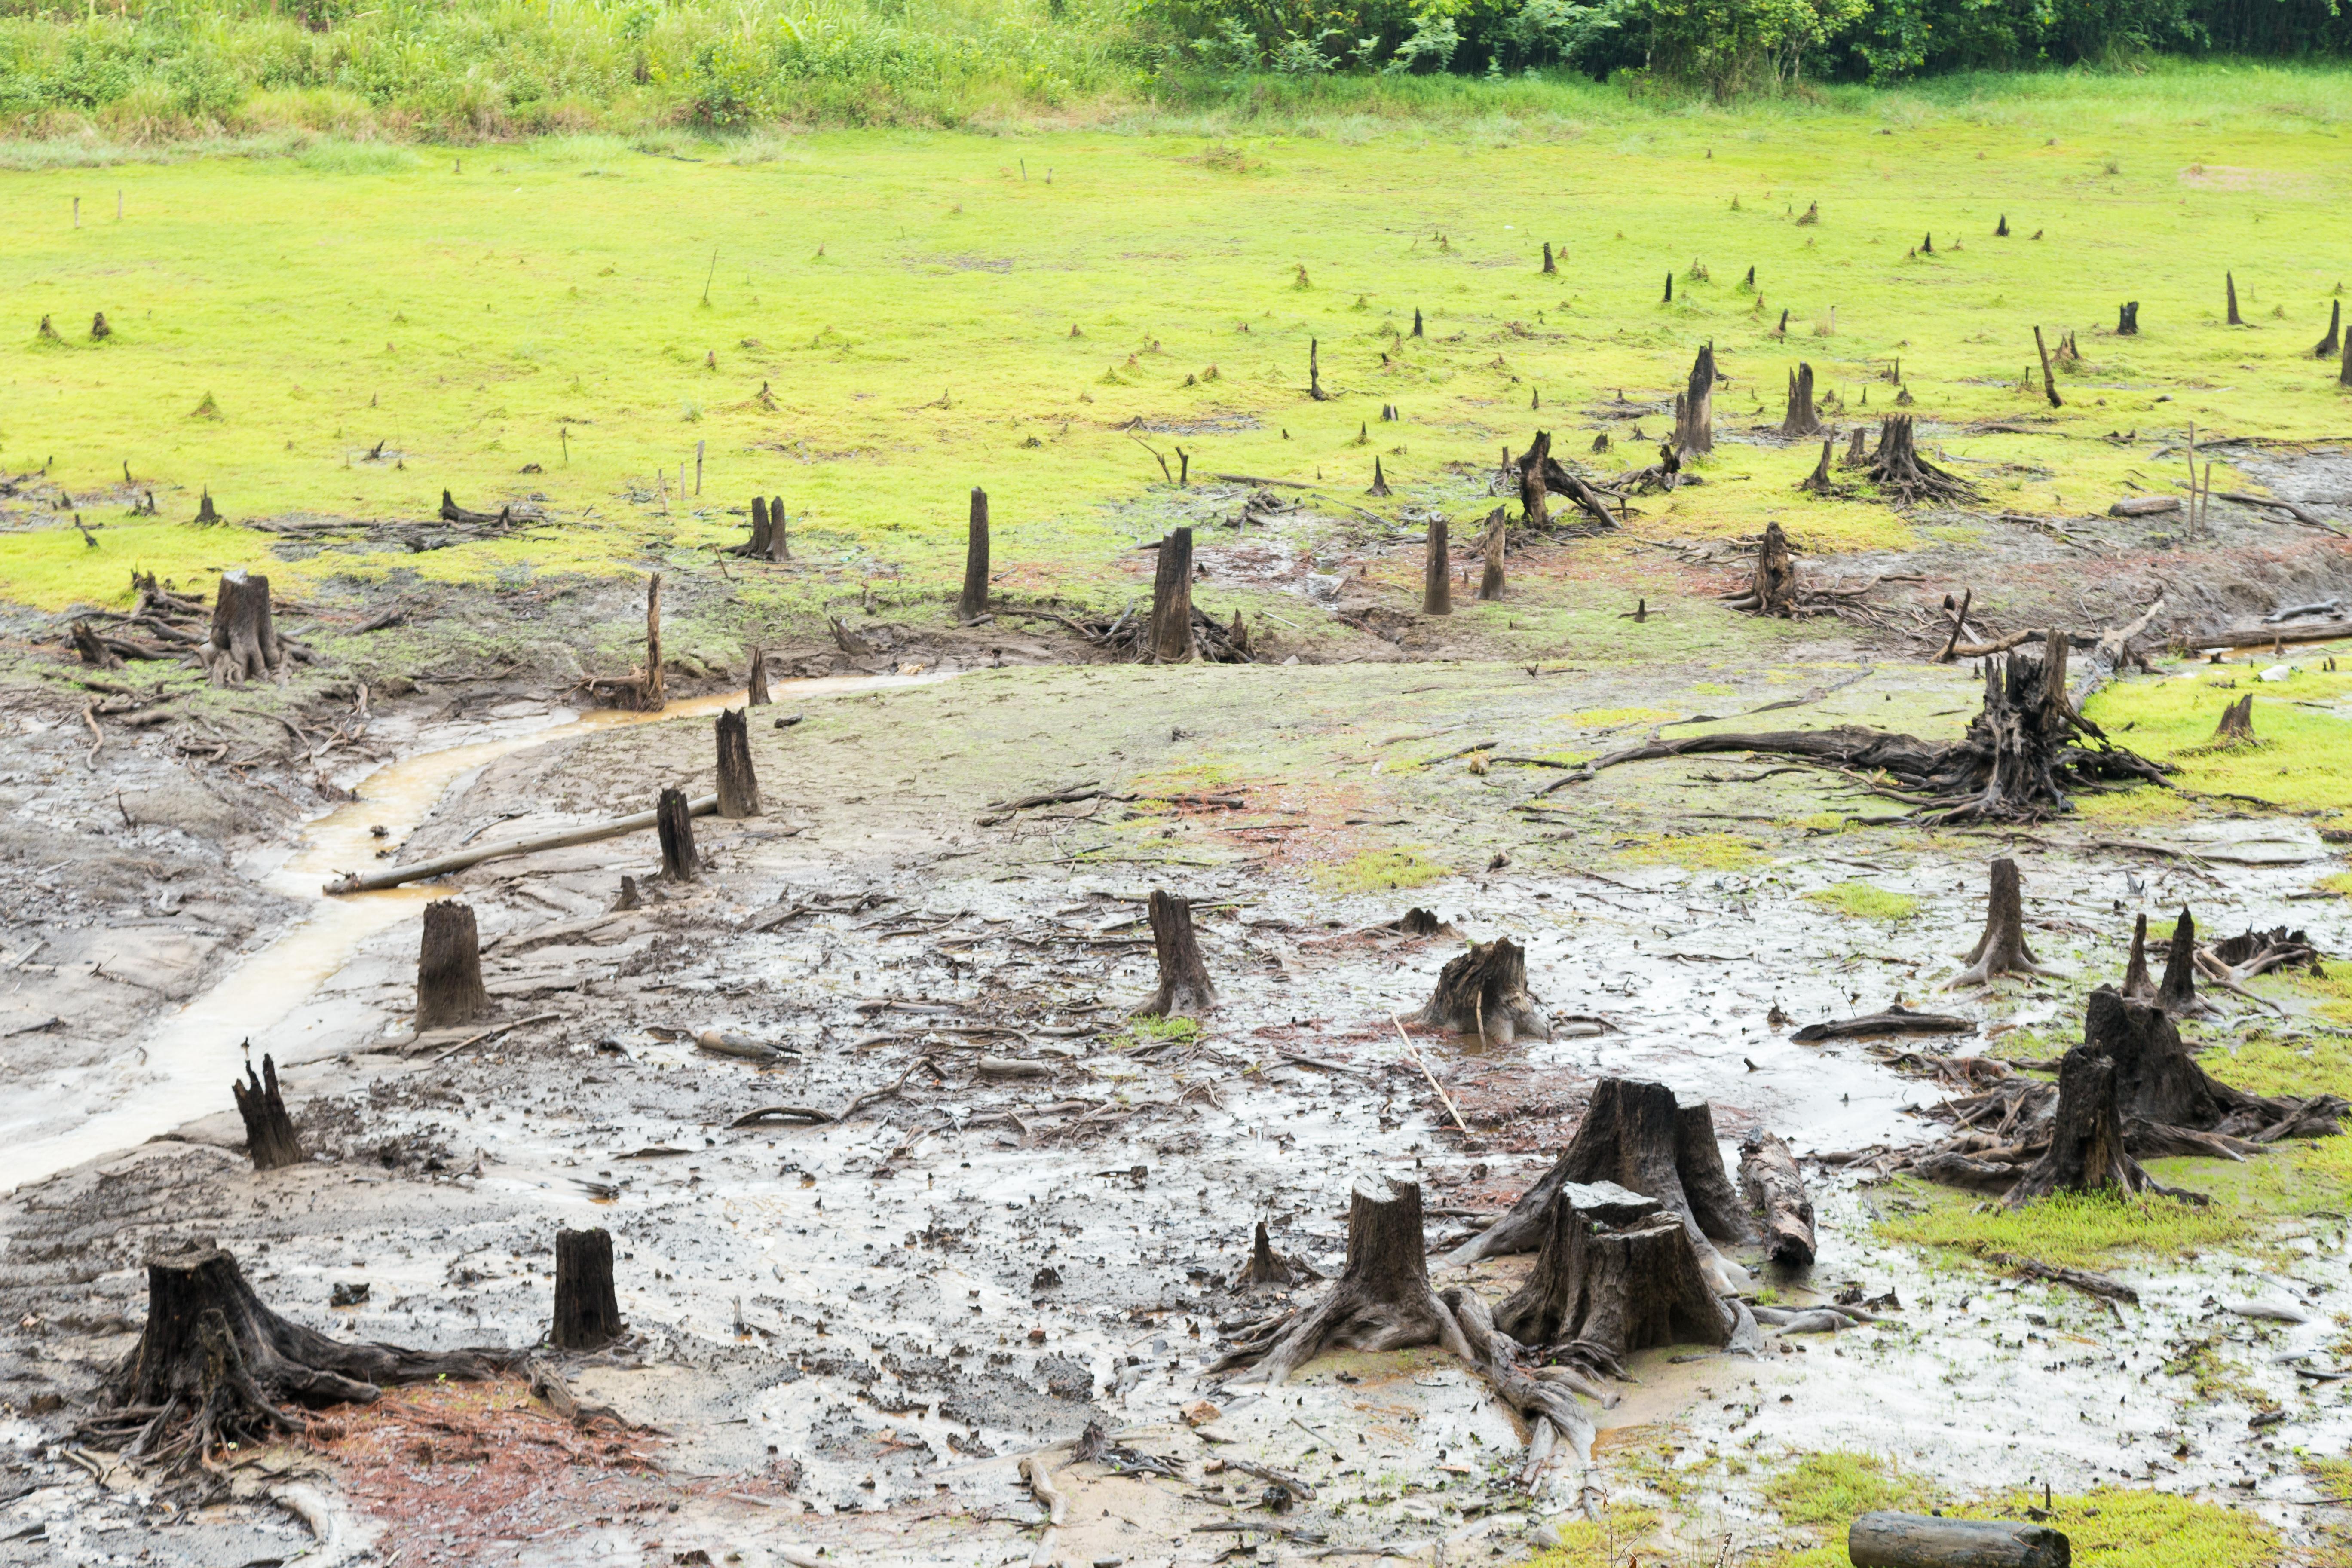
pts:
[557, 839]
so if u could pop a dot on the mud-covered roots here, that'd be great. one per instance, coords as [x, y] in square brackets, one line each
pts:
[1381, 1301]
[214, 1367]
[1484, 992]
[2001, 949]
[1773, 589]
[1898, 469]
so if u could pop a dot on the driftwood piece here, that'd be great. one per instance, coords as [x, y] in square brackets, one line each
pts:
[972, 603]
[587, 1313]
[674, 822]
[557, 839]
[1896, 1019]
[269, 1136]
[739, 787]
[2001, 949]
[1381, 1301]
[1184, 990]
[1436, 571]
[1885, 1539]
[1637, 1136]
[1172, 599]
[449, 967]
[1484, 992]
[1769, 1175]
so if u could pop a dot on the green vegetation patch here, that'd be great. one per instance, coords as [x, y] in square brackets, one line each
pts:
[1371, 870]
[1863, 901]
[1694, 851]
[2302, 753]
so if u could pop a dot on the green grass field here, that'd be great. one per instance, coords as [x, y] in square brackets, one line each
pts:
[933, 311]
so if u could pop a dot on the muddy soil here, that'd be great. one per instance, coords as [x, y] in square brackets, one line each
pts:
[846, 1335]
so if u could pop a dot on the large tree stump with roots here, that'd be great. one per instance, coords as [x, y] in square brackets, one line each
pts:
[449, 967]
[972, 603]
[1490, 580]
[1776, 1188]
[587, 1313]
[1639, 1137]
[1801, 419]
[739, 788]
[243, 644]
[1616, 1291]
[214, 1365]
[2177, 994]
[673, 826]
[1898, 469]
[269, 1136]
[1484, 992]
[1694, 410]
[2087, 1150]
[1184, 989]
[2001, 949]
[1381, 1301]
[1436, 573]
[1172, 599]
[2156, 1077]
[1772, 591]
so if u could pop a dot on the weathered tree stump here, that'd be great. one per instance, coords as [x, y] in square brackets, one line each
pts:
[2127, 319]
[1548, 266]
[2156, 1077]
[1184, 989]
[2138, 986]
[1436, 573]
[674, 824]
[452, 512]
[269, 1136]
[1694, 410]
[1535, 501]
[972, 603]
[1885, 1539]
[1172, 599]
[1615, 1291]
[1267, 1267]
[1819, 482]
[449, 967]
[206, 516]
[2237, 724]
[2001, 949]
[1484, 992]
[1381, 1301]
[2344, 375]
[1769, 1175]
[2326, 348]
[1637, 1136]
[1773, 589]
[2177, 994]
[1379, 485]
[91, 650]
[1802, 418]
[213, 1365]
[756, 694]
[2230, 282]
[587, 1313]
[1898, 469]
[1490, 580]
[244, 644]
[2086, 1149]
[651, 693]
[739, 788]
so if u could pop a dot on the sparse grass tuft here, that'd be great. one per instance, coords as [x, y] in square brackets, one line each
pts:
[1373, 869]
[1863, 901]
[1694, 851]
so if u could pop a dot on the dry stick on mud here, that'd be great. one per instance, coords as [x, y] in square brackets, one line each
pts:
[1484, 992]
[1436, 573]
[1172, 599]
[1769, 1175]
[675, 825]
[2001, 949]
[2049, 382]
[1802, 418]
[972, 603]
[213, 1364]
[1773, 590]
[1184, 989]
[449, 967]
[587, 1313]
[556, 839]
[269, 1136]
[739, 788]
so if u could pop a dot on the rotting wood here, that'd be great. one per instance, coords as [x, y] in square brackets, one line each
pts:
[587, 1312]
[269, 1136]
[2177, 994]
[1694, 409]
[1769, 1175]
[972, 603]
[2087, 1151]
[674, 822]
[739, 787]
[449, 967]
[1483, 992]
[557, 839]
[1436, 573]
[1802, 418]
[1772, 591]
[755, 694]
[1596, 1295]
[1887, 1540]
[1171, 632]
[1490, 580]
[1184, 989]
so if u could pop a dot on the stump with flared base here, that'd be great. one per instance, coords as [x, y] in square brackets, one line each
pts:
[1484, 992]
[2001, 949]
[1184, 989]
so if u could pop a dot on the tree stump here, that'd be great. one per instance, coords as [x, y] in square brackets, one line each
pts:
[1819, 482]
[973, 602]
[1802, 418]
[1886, 1539]
[779, 545]
[1769, 1175]
[1490, 581]
[763, 533]
[1184, 989]
[1436, 573]
[1535, 501]
[1267, 1267]
[756, 694]
[213, 1365]
[739, 789]
[1615, 1291]
[269, 1136]
[2156, 1077]
[2086, 1149]
[2326, 348]
[1637, 1136]
[1898, 469]
[1381, 1301]
[244, 644]
[2344, 375]
[1694, 412]
[206, 516]
[2230, 282]
[1772, 591]
[2178, 992]
[2237, 725]
[1484, 992]
[2138, 986]
[651, 693]
[674, 824]
[587, 1314]
[449, 967]
[91, 650]
[1172, 599]
[2001, 949]
[2127, 319]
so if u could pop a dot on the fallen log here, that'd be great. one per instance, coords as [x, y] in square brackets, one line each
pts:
[557, 839]
[1896, 1020]
[1924, 1540]
[1768, 1174]
[2264, 637]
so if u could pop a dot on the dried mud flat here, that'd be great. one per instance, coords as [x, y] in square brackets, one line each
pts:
[845, 1336]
